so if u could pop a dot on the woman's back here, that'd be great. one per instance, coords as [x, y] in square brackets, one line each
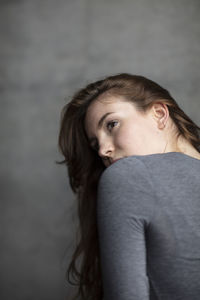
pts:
[148, 214]
[139, 219]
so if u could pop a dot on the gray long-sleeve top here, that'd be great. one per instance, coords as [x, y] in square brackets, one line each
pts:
[148, 217]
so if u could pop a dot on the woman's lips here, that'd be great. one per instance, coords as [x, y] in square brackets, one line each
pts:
[115, 160]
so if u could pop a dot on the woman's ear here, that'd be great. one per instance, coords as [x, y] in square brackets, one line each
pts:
[160, 113]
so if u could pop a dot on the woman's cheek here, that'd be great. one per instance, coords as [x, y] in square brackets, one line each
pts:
[125, 137]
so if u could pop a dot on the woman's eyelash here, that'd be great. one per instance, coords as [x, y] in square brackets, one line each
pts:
[110, 122]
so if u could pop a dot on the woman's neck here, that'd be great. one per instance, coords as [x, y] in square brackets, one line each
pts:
[184, 146]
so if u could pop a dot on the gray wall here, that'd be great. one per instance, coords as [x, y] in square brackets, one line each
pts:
[48, 49]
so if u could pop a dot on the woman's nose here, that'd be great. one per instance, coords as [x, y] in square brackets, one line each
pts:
[106, 149]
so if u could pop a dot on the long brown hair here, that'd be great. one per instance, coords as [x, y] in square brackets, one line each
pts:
[85, 166]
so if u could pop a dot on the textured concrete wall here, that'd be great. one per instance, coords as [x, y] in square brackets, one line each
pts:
[48, 49]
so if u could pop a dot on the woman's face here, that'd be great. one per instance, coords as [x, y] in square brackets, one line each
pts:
[123, 131]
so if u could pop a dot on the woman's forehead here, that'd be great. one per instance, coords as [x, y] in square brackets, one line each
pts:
[98, 108]
[105, 103]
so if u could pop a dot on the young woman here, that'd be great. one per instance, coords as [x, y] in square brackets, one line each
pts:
[133, 159]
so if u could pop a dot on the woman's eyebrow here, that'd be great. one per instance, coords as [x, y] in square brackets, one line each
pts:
[100, 123]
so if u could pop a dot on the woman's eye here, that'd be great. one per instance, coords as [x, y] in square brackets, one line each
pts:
[111, 123]
[108, 124]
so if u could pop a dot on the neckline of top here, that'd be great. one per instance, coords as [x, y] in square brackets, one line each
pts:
[166, 154]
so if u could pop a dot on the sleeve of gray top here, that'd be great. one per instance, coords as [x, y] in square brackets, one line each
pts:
[125, 204]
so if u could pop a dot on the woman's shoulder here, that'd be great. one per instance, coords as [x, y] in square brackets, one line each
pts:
[145, 165]
[124, 169]
[125, 188]
[127, 175]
